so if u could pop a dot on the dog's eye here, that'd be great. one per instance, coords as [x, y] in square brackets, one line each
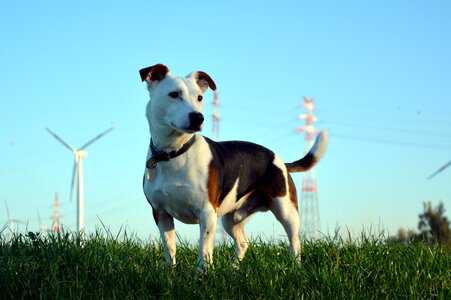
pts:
[174, 95]
[199, 98]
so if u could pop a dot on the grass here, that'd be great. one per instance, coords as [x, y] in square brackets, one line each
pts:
[103, 266]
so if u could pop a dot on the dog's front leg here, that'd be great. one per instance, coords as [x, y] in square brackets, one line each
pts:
[207, 222]
[165, 224]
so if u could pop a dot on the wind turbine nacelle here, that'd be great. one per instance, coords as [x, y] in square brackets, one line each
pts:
[82, 153]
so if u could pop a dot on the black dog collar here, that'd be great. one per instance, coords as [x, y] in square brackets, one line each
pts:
[158, 155]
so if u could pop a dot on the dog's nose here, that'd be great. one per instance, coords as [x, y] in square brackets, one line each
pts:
[196, 118]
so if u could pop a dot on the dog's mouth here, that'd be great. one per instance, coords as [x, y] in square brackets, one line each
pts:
[189, 129]
[193, 129]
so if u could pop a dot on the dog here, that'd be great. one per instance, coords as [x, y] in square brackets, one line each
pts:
[196, 180]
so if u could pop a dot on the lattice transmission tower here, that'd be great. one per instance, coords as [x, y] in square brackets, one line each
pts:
[215, 117]
[309, 208]
[56, 214]
[215, 137]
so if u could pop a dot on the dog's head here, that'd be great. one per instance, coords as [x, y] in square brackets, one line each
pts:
[175, 102]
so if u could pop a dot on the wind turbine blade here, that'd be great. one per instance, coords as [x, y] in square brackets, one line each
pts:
[72, 182]
[440, 170]
[61, 141]
[96, 138]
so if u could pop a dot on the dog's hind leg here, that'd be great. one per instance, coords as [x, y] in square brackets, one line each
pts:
[165, 224]
[284, 210]
[236, 231]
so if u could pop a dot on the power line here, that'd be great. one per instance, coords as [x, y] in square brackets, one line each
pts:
[382, 141]
[372, 107]
[412, 131]
[119, 209]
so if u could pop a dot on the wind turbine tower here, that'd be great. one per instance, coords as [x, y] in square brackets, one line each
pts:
[79, 154]
[310, 220]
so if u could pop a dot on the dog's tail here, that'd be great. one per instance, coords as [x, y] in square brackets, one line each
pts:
[313, 156]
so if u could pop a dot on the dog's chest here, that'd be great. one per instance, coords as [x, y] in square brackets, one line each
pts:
[179, 186]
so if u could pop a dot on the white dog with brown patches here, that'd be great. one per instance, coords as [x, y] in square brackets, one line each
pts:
[196, 180]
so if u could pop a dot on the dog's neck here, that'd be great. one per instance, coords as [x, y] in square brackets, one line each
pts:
[169, 140]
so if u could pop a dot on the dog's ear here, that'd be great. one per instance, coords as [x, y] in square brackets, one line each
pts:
[154, 73]
[204, 81]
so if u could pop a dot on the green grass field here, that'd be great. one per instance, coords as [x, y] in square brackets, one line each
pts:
[108, 267]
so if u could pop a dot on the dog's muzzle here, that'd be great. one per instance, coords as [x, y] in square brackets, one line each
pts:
[196, 119]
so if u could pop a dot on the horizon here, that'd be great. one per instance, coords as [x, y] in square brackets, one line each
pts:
[379, 74]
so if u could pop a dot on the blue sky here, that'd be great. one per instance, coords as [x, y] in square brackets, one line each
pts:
[380, 72]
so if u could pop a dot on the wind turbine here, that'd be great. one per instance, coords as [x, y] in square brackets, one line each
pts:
[42, 228]
[11, 221]
[79, 154]
[440, 170]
